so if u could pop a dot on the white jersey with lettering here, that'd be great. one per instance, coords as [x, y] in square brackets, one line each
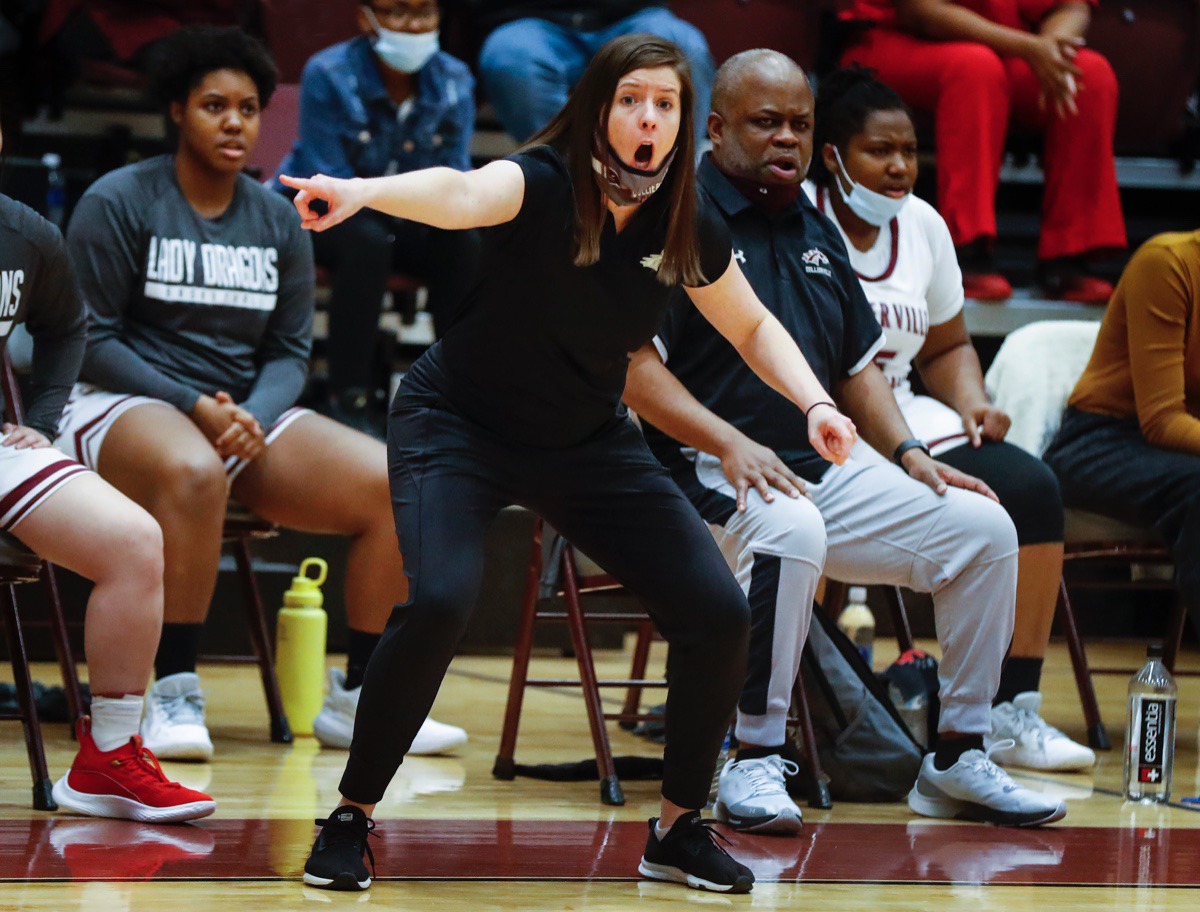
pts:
[912, 279]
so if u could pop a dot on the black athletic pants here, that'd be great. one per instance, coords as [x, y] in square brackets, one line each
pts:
[1025, 485]
[361, 253]
[612, 500]
[1105, 466]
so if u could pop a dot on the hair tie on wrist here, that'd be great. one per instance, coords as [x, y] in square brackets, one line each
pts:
[815, 404]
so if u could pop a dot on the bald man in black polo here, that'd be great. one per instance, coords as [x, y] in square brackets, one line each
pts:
[728, 439]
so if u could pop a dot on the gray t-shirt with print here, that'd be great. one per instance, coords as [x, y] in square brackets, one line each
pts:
[180, 305]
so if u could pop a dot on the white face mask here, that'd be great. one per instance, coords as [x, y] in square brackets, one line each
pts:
[403, 51]
[873, 208]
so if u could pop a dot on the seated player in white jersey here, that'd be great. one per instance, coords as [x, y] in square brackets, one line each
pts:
[71, 517]
[199, 287]
[725, 439]
[862, 179]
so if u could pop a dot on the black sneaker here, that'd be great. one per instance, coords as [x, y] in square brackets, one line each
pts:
[689, 854]
[336, 862]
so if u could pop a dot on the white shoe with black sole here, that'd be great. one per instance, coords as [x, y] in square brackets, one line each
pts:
[752, 797]
[975, 788]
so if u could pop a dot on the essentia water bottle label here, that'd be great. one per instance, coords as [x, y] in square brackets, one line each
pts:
[1152, 749]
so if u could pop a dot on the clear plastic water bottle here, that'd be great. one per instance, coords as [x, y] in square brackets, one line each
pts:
[858, 623]
[1150, 732]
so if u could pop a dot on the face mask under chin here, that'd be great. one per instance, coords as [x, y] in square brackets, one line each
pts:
[873, 208]
[624, 185]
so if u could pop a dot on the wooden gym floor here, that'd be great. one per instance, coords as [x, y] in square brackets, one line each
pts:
[453, 838]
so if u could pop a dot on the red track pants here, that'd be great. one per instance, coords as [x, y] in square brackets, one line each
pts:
[971, 91]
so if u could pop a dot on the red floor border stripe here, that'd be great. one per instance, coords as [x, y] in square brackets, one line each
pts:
[81, 849]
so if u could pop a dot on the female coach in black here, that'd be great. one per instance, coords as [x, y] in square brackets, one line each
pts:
[587, 233]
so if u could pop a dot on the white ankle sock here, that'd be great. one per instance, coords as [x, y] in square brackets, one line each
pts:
[115, 720]
[660, 831]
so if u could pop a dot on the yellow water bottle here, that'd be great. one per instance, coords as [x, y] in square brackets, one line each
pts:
[300, 647]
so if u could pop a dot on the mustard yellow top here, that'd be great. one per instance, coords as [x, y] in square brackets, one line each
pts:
[1147, 357]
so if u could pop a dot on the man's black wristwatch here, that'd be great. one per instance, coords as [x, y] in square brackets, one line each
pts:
[911, 444]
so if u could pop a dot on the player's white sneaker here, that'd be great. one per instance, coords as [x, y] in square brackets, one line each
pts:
[752, 796]
[173, 727]
[975, 788]
[1036, 744]
[334, 725]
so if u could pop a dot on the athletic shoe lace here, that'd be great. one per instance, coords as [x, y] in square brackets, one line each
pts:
[704, 832]
[765, 776]
[141, 764]
[1026, 720]
[982, 763]
[183, 709]
[337, 833]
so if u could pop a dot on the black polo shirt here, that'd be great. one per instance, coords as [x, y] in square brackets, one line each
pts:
[797, 264]
[539, 349]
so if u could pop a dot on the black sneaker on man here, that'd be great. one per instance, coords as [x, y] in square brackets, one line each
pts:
[689, 854]
[336, 862]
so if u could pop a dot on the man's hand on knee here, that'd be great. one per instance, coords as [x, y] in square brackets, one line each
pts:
[747, 464]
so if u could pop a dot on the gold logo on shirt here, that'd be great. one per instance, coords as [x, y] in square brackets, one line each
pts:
[654, 261]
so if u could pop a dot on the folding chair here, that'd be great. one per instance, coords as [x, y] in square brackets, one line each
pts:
[566, 580]
[1031, 378]
[242, 527]
[1095, 541]
[20, 565]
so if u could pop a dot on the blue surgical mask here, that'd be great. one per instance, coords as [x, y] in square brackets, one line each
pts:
[403, 51]
[873, 208]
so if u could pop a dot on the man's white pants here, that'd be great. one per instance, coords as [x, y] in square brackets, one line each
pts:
[870, 523]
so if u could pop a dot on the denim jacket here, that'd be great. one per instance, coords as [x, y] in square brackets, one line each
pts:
[350, 127]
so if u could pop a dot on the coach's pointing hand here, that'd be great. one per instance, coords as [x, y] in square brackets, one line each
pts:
[341, 198]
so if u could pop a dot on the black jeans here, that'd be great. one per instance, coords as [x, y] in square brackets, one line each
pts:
[1105, 466]
[611, 498]
[361, 253]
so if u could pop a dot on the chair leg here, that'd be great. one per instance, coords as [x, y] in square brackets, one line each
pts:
[637, 671]
[835, 597]
[256, 618]
[42, 798]
[1174, 638]
[503, 768]
[1096, 732]
[895, 601]
[62, 646]
[610, 786]
[818, 785]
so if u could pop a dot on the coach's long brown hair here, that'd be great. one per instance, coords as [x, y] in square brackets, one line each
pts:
[586, 112]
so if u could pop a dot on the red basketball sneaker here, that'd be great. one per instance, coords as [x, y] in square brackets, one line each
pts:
[127, 783]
